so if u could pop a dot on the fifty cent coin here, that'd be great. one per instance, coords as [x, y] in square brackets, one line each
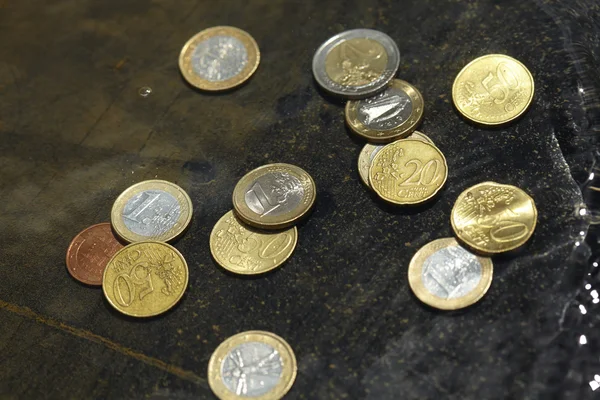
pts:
[90, 251]
[356, 64]
[444, 275]
[219, 58]
[387, 116]
[145, 279]
[274, 196]
[151, 210]
[252, 364]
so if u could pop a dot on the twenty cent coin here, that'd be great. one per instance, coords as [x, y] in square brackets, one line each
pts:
[493, 89]
[252, 364]
[245, 250]
[387, 116]
[408, 172]
[356, 63]
[444, 275]
[151, 210]
[90, 251]
[493, 218]
[145, 279]
[274, 196]
[219, 58]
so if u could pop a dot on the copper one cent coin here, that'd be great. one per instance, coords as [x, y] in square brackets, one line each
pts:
[90, 251]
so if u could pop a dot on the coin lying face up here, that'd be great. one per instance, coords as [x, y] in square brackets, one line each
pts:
[219, 58]
[493, 89]
[253, 364]
[90, 251]
[243, 249]
[493, 218]
[151, 210]
[356, 63]
[387, 116]
[274, 196]
[444, 275]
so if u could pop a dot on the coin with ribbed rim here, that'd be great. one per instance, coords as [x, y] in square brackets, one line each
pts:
[254, 364]
[444, 275]
[245, 250]
[151, 210]
[274, 196]
[390, 115]
[219, 58]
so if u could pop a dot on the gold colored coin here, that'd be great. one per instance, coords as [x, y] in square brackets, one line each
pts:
[242, 249]
[493, 218]
[444, 275]
[370, 150]
[408, 172]
[387, 116]
[253, 364]
[274, 196]
[493, 89]
[151, 210]
[145, 279]
[219, 58]
[356, 62]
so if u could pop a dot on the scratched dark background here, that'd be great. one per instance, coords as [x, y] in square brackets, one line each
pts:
[75, 132]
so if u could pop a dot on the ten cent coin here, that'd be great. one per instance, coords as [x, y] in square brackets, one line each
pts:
[387, 116]
[242, 249]
[274, 196]
[252, 364]
[408, 171]
[90, 251]
[444, 275]
[493, 89]
[356, 63]
[219, 58]
[151, 210]
[145, 279]
[494, 218]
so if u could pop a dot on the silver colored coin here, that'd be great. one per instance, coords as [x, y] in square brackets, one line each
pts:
[251, 369]
[386, 110]
[151, 213]
[274, 193]
[350, 91]
[219, 58]
[451, 272]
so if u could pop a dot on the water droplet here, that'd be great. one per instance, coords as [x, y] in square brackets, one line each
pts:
[145, 91]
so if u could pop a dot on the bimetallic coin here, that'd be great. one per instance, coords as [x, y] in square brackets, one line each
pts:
[493, 89]
[274, 196]
[368, 152]
[242, 249]
[493, 218]
[145, 279]
[356, 63]
[408, 172]
[151, 210]
[252, 364]
[90, 251]
[387, 116]
[219, 58]
[444, 275]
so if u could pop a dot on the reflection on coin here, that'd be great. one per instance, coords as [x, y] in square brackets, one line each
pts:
[493, 89]
[151, 210]
[408, 172]
[387, 116]
[145, 279]
[252, 364]
[493, 218]
[444, 275]
[219, 58]
[274, 196]
[356, 63]
[90, 251]
[370, 150]
[242, 249]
